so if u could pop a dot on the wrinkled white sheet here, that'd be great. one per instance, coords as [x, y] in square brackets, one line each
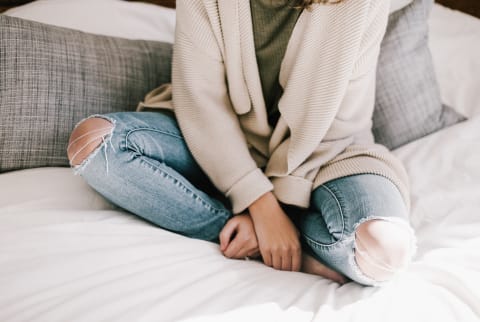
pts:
[66, 255]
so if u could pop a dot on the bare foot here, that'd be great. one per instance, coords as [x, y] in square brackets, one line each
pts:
[312, 266]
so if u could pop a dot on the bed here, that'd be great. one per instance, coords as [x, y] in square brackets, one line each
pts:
[66, 254]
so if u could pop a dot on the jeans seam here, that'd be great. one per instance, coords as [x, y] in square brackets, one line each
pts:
[321, 245]
[196, 196]
[130, 131]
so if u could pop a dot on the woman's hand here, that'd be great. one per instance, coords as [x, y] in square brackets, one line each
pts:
[278, 238]
[238, 238]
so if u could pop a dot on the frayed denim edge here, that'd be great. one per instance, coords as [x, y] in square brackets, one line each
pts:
[364, 279]
[77, 169]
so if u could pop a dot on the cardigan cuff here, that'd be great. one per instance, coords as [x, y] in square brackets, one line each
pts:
[248, 189]
[292, 190]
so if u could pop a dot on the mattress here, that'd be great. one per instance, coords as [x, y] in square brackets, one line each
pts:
[66, 254]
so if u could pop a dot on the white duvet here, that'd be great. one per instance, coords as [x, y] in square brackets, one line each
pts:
[67, 255]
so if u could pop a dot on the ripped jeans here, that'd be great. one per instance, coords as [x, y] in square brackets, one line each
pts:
[145, 167]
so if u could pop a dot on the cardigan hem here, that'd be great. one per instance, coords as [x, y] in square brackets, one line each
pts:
[364, 165]
[292, 190]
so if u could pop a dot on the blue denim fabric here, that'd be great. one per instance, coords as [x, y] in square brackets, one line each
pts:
[145, 167]
[337, 208]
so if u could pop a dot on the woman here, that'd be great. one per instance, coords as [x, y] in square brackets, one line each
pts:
[273, 100]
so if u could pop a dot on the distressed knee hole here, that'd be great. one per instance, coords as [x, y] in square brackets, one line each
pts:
[86, 137]
[382, 248]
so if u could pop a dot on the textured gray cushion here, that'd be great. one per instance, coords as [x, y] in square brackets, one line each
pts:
[52, 77]
[408, 104]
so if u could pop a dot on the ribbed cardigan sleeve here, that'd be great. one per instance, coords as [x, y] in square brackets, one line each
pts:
[203, 109]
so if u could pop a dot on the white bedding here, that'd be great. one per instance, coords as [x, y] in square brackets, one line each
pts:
[67, 255]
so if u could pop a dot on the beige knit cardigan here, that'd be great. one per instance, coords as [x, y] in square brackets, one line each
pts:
[328, 76]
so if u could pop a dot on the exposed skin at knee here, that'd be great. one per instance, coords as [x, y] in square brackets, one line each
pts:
[383, 247]
[86, 137]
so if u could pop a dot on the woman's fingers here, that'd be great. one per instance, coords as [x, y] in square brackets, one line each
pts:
[233, 249]
[286, 262]
[255, 253]
[239, 247]
[289, 259]
[239, 250]
[277, 260]
[267, 258]
[238, 238]
[226, 234]
[297, 261]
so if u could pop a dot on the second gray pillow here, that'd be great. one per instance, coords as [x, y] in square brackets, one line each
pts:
[408, 104]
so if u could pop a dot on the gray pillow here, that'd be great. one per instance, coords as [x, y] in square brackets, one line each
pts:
[408, 104]
[52, 77]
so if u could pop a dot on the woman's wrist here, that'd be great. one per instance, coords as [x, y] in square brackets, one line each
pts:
[264, 205]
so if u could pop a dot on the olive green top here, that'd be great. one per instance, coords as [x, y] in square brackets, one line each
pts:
[273, 22]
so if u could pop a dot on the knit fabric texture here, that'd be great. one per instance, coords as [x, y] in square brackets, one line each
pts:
[324, 131]
[52, 77]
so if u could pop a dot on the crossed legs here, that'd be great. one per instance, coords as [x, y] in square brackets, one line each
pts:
[347, 228]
